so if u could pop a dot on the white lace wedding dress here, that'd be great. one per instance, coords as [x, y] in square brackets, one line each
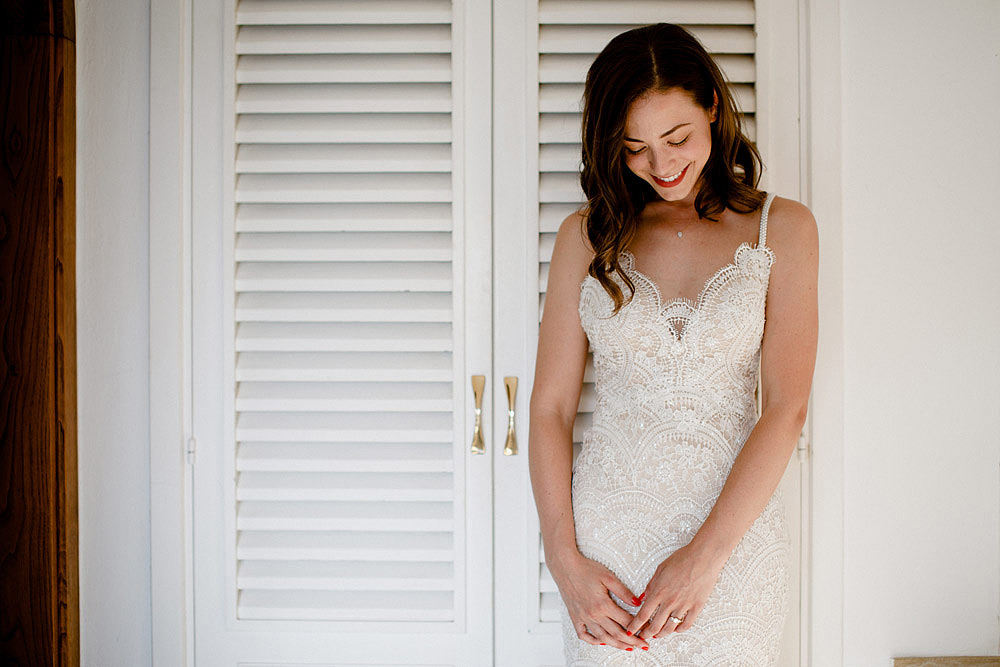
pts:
[675, 402]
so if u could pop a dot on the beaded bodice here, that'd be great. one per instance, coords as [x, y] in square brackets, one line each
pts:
[701, 355]
[693, 362]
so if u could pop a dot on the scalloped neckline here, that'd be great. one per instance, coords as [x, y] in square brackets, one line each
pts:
[693, 307]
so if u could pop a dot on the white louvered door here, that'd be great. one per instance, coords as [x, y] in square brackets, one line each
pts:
[537, 162]
[342, 302]
[372, 223]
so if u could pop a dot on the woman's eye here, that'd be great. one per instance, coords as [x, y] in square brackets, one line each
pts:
[669, 143]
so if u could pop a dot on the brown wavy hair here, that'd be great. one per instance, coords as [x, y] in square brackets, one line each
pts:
[655, 58]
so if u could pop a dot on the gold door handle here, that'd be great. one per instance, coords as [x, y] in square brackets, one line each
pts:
[510, 448]
[478, 444]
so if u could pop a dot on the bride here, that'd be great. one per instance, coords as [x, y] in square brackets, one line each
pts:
[670, 519]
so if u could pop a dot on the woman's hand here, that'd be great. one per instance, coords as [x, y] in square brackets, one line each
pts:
[585, 585]
[679, 588]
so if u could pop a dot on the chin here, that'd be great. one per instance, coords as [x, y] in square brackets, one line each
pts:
[672, 194]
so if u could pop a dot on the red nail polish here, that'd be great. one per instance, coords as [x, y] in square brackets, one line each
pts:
[629, 648]
[628, 632]
[603, 644]
[654, 636]
[636, 600]
[645, 648]
[642, 596]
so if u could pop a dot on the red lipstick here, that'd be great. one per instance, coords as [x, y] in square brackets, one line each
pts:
[670, 184]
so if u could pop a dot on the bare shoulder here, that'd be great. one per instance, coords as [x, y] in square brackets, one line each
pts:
[562, 342]
[792, 231]
[572, 253]
[791, 323]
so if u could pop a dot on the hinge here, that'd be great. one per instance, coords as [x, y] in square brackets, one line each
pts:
[803, 448]
[190, 450]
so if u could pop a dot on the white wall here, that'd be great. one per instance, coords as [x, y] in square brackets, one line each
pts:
[112, 50]
[921, 164]
[921, 313]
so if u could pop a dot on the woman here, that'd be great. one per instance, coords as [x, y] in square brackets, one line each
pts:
[666, 536]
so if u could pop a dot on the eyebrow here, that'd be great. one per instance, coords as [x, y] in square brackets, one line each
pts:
[676, 127]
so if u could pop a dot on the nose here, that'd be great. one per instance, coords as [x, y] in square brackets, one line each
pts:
[656, 159]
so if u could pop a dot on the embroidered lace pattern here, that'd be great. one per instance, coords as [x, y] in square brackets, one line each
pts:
[675, 402]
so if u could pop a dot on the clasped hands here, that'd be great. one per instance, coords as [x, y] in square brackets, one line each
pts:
[677, 590]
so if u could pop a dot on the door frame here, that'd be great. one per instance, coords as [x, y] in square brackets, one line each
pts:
[170, 479]
[821, 163]
[170, 206]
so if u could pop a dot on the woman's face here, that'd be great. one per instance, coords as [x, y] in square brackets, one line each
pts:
[668, 139]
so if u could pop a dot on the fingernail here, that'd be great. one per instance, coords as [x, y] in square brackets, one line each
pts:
[628, 632]
[636, 600]
[642, 596]
[645, 648]
[629, 648]
[654, 636]
[603, 644]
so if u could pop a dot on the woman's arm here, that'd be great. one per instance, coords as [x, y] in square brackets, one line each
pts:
[555, 396]
[788, 357]
[559, 366]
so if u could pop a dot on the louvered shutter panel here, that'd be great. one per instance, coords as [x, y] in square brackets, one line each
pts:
[345, 494]
[570, 35]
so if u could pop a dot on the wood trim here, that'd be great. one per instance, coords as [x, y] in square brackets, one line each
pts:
[964, 661]
[64, 103]
[39, 581]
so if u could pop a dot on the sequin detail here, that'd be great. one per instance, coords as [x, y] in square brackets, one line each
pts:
[674, 404]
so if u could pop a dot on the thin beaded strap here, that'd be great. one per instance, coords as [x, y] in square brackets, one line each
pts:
[763, 219]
